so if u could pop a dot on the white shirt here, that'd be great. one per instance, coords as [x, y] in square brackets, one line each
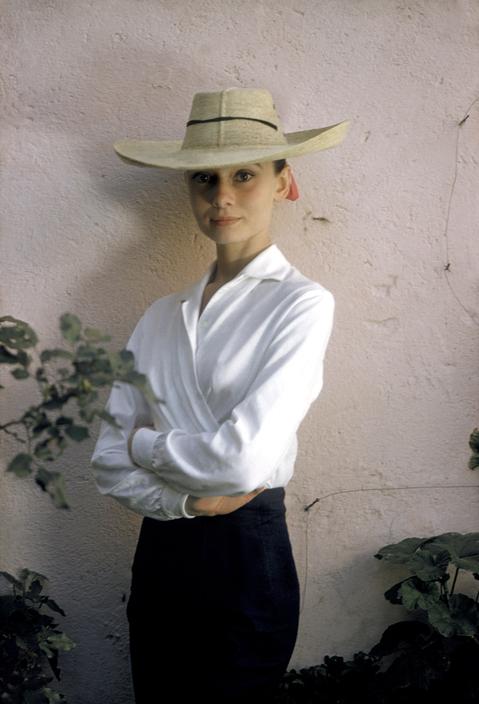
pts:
[234, 385]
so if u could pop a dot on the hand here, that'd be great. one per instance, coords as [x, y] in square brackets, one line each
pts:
[218, 505]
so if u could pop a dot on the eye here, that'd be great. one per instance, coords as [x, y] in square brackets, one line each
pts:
[197, 177]
[247, 173]
[203, 177]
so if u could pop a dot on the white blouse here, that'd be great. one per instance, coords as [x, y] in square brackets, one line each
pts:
[233, 386]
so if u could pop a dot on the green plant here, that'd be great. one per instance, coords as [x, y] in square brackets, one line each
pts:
[432, 657]
[474, 445]
[47, 427]
[30, 641]
[426, 591]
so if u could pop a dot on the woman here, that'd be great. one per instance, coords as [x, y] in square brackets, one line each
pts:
[235, 360]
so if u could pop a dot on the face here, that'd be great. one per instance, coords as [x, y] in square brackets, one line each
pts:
[246, 193]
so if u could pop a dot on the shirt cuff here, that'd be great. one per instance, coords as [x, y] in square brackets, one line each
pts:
[142, 446]
[183, 507]
[173, 502]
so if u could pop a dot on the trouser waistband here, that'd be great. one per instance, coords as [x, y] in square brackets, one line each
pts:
[272, 498]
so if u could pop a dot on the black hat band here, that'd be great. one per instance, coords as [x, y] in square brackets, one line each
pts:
[227, 117]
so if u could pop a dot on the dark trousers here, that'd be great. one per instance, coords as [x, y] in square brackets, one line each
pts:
[213, 609]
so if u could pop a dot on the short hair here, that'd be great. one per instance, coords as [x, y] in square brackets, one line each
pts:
[279, 165]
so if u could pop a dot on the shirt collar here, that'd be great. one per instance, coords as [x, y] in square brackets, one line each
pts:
[270, 263]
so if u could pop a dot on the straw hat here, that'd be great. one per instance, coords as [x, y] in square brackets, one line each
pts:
[228, 127]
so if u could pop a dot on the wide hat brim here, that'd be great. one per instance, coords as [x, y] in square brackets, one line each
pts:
[169, 155]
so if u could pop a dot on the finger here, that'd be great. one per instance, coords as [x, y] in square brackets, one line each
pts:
[255, 491]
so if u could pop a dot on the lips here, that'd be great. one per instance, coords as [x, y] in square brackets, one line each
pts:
[225, 221]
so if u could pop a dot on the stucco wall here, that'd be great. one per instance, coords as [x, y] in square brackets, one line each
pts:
[377, 221]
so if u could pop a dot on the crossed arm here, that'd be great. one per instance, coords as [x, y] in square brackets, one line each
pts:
[137, 488]
[208, 505]
[160, 473]
[246, 450]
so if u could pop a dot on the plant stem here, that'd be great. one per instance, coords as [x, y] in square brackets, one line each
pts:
[454, 580]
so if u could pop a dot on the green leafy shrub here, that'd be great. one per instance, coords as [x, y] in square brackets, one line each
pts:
[47, 426]
[432, 657]
[29, 638]
[30, 641]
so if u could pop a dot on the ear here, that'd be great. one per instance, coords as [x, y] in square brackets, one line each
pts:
[283, 183]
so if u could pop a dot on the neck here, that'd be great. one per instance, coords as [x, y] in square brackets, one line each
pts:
[234, 256]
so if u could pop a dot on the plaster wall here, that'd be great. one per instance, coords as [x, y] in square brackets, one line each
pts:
[384, 448]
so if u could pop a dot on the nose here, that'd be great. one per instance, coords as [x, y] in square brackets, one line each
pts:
[222, 194]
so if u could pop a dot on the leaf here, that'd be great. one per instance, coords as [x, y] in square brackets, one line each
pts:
[53, 431]
[19, 335]
[42, 450]
[29, 577]
[121, 362]
[54, 606]
[20, 373]
[86, 397]
[401, 553]
[459, 617]
[6, 357]
[46, 355]
[54, 484]
[440, 618]
[42, 421]
[87, 414]
[52, 697]
[399, 635]
[77, 432]
[474, 440]
[20, 465]
[64, 420]
[95, 335]
[419, 595]
[465, 612]
[45, 647]
[70, 326]
[428, 564]
[60, 641]
[462, 548]
[393, 594]
[474, 445]
[10, 578]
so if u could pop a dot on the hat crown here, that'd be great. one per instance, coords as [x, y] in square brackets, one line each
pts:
[233, 117]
